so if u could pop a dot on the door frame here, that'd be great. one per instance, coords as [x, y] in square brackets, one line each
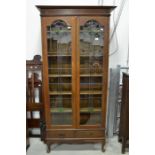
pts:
[46, 21]
[105, 22]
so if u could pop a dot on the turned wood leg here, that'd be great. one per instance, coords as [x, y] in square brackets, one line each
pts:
[48, 148]
[103, 146]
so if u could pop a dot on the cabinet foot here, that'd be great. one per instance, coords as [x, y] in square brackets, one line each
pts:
[27, 146]
[123, 145]
[103, 146]
[48, 148]
[119, 140]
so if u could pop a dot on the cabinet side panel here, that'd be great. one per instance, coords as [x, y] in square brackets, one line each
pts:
[105, 70]
[45, 73]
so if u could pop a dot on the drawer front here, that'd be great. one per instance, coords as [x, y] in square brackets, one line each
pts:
[60, 134]
[89, 134]
[75, 134]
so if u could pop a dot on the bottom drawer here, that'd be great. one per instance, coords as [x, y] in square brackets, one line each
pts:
[89, 134]
[60, 134]
[75, 133]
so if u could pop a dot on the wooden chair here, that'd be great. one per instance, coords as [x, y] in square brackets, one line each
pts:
[34, 102]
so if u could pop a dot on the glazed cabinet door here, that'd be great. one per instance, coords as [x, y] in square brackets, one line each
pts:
[91, 70]
[59, 55]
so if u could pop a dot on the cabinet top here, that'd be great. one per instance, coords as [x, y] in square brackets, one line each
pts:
[46, 10]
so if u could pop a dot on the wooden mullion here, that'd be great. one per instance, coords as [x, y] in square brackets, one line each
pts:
[44, 24]
[31, 114]
[33, 92]
[105, 70]
[78, 73]
[73, 35]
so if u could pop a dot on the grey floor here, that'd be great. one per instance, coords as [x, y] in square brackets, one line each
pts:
[39, 148]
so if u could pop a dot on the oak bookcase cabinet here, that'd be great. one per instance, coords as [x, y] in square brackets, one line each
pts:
[75, 44]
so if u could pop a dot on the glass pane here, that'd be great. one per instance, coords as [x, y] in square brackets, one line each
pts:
[35, 131]
[35, 114]
[61, 109]
[91, 64]
[28, 114]
[37, 95]
[59, 38]
[60, 74]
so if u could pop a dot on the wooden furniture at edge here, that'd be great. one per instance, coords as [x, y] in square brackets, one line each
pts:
[124, 115]
[27, 137]
[33, 69]
[75, 45]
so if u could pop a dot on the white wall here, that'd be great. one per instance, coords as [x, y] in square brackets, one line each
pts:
[121, 56]
[34, 28]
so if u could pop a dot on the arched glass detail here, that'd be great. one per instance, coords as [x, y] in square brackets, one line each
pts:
[59, 38]
[91, 67]
[60, 72]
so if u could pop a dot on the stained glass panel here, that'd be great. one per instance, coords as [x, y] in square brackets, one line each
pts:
[60, 73]
[91, 67]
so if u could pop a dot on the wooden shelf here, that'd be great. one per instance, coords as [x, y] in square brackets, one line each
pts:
[91, 56]
[61, 110]
[92, 75]
[90, 110]
[55, 55]
[69, 110]
[69, 75]
[57, 75]
[60, 93]
[64, 55]
[90, 92]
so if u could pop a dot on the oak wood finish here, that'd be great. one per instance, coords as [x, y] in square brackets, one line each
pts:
[75, 10]
[45, 22]
[75, 16]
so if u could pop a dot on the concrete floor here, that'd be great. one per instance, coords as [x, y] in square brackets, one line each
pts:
[39, 148]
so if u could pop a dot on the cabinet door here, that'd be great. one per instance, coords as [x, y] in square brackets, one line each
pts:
[58, 42]
[91, 70]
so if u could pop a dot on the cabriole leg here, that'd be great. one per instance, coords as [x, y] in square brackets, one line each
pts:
[48, 147]
[103, 146]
